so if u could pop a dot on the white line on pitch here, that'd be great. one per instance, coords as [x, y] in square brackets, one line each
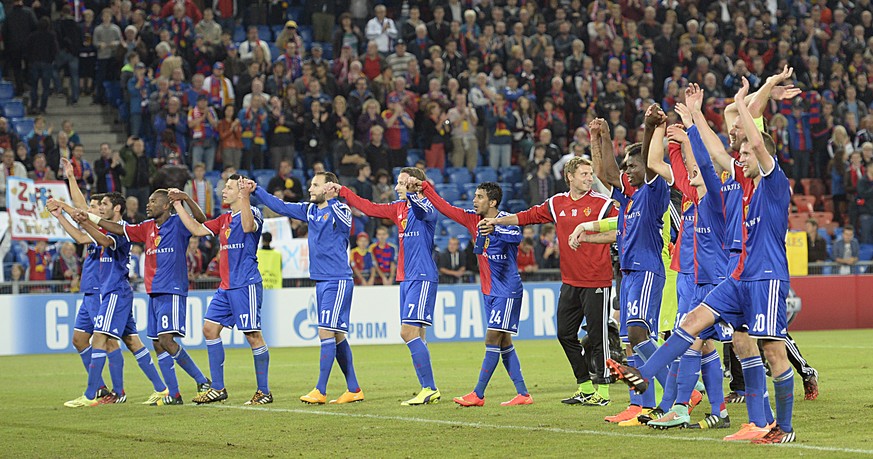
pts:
[526, 428]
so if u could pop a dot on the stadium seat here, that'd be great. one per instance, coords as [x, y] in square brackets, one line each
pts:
[485, 174]
[212, 177]
[441, 242]
[516, 205]
[295, 13]
[866, 252]
[395, 171]
[452, 170]
[328, 50]
[838, 233]
[265, 33]
[305, 33]
[508, 191]
[239, 34]
[827, 202]
[814, 187]
[464, 239]
[797, 222]
[804, 203]
[822, 218]
[435, 174]
[511, 174]
[14, 109]
[275, 52]
[830, 228]
[460, 177]
[412, 157]
[470, 190]
[453, 228]
[22, 126]
[277, 30]
[824, 234]
[263, 178]
[448, 191]
[298, 174]
[7, 90]
[462, 204]
[791, 183]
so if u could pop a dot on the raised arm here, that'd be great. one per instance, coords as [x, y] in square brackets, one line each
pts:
[753, 135]
[246, 216]
[367, 207]
[454, 213]
[82, 218]
[57, 211]
[76, 195]
[608, 171]
[507, 233]
[704, 163]
[655, 117]
[694, 102]
[421, 207]
[175, 194]
[295, 210]
[757, 101]
[656, 161]
[196, 229]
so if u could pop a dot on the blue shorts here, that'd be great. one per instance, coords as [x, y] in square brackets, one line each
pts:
[641, 293]
[87, 311]
[685, 288]
[758, 306]
[720, 331]
[502, 313]
[417, 299]
[115, 317]
[334, 300]
[240, 307]
[167, 315]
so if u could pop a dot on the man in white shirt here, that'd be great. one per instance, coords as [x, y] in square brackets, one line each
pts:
[382, 30]
[247, 48]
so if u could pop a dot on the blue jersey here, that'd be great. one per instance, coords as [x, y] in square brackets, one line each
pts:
[114, 266]
[640, 221]
[498, 268]
[710, 255]
[765, 226]
[238, 250]
[416, 223]
[166, 268]
[328, 236]
[91, 279]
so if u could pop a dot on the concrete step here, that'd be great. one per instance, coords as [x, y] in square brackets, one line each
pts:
[94, 124]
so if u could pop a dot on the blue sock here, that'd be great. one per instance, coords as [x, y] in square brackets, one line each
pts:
[168, 370]
[184, 361]
[647, 349]
[635, 399]
[262, 367]
[669, 395]
[768, 411]
[689, 367]
[116, 370]
[710, 371]
[679, 342]
[85, 355]
[421, 362]
[95, 381]
[215, 351]
[147, 365]
[513, 367]
[328, 354]
[753, 373]
[489, 364]
[784, 387]
[344, 359]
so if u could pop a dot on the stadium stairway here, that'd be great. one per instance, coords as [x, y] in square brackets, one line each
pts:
[93, 123]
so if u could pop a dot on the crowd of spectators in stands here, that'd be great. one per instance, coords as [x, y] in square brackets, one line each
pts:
[361, 88]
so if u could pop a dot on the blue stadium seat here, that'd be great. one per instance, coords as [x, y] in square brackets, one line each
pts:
[508, 191]
[516, 205]
[22, 126]
[462, 204]
[305, 33]
[866, 252]
[298, 174]
[265, 33]
[453, 228]
[464, 239]
[460, 177]
[511, 174]
[277, 30]
[239, 34]
[7, 90]
[328, 50]
[486, 174]
[435, 174]
[295, 12]
[448, 191]
[396, 172]
[441, 242]
[274, 51]
[212, 177]
[14, 109]
[263, 178]
[470, 190]
[412, 157]
[838, 234]
[452, 170]
[519, 189]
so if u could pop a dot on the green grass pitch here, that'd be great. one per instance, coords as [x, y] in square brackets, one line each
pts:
[34, 422]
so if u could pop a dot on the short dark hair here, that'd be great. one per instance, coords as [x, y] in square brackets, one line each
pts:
[236, 177]
[492, 190]
[415, 172]
[329, 177]
[634, 149]
[116, 199]
[97, 197]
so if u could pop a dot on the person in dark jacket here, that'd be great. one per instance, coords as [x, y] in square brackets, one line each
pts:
[108, 170]
[20, 23]
[70, 43]
[42, 50]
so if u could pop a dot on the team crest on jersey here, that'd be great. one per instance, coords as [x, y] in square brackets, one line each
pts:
[324, 217]
[403, 224]
[724, 176]
[745, 210]
[227, 233]
[157, 241]
[685, 206]
[487, 243]
[630, 203]
[586, 211]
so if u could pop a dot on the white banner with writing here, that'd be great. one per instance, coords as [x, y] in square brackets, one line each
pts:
[26, 201]
[295, 251]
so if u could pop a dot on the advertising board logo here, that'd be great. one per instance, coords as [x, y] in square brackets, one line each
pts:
[306, 321]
